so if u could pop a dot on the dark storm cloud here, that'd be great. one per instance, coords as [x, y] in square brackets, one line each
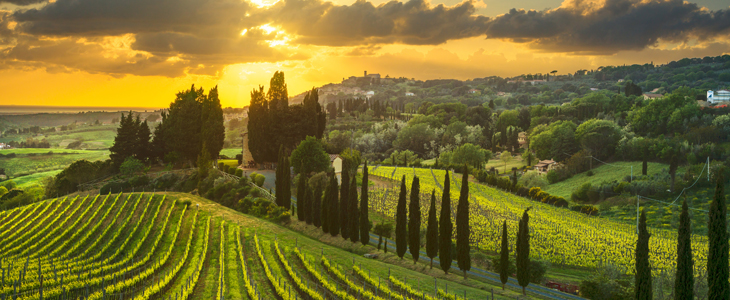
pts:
[22, 2]
[414, 22]
[611, 26]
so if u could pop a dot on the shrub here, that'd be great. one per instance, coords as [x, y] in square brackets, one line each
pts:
[511, 269]
[553, 176]
[589, 173]
[165, 181]
[131, 166]
[139, 181]
[581, 194]
[258, 179]
[538, 268]
[239, 173]
[221, 166]
[239, 158]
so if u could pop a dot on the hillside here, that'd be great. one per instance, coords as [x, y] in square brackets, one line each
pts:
[142, 246]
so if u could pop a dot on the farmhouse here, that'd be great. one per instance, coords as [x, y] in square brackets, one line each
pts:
[336, 162]
[718, 96]
[522, 139]
[545, 165]
[648, 96]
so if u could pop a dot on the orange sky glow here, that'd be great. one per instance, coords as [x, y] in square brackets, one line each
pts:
[97, 53]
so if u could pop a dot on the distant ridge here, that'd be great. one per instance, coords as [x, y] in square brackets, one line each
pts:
[35, 109]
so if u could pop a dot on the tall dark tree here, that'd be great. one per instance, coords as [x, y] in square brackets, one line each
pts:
[684, 280]
[523, 252]
[432, 231]
[286, 189]
[301, 194]
[354, 212]
[317, 206]
[184, 116]
[462, 225]
[401, 221]
[345, 201]
[280, 181]
[445, 227]
[504, 257]
[364, 218]
[309, 206]
[125, 141]
[334, 210]
[144, 149]
[159, 147]
[717, 258]
[414, 220]
[258, 121]
[643, 269]
[326, 204]
[213, 131]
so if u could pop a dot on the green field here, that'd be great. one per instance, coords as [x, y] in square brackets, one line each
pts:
[230, 152]
[515, 162]
[29, 161]
[163, 245]
[92, 137]
[34, 179]
[604, 173]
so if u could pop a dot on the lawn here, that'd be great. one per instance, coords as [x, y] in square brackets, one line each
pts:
[30, 161]
[230, 152]
[516, 162]
[604, 173]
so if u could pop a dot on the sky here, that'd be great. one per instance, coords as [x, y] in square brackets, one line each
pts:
[140, 53]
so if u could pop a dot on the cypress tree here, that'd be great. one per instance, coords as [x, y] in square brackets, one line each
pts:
[717, 258]
[445, 227]
[308, 203]
[279, 181]
[504, 257]
[643, 269]
[414, 220]
[301, 194]
[326, 206]
[401, 215]
[523, 252]
[286, 189]
[684, 280]
[364, 219]
[334, 210]
[432, 231]
[354, 212]
[345, 200]
[317, 206]
[462, 225]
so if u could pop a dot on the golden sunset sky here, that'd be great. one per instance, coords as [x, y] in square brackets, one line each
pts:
[139, 53]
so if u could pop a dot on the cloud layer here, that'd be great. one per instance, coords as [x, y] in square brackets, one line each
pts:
[610, 26]
[177, 37]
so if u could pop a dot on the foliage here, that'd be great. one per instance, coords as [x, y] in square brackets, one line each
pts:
[599, 136]
[401, 219]
[533, 179]
[555, 141]
[643, 269]
[462, 225]
[414, 220]
[364, 213]
[523, 251]
[684, 279]
[504, 265]
[469, 154]
[257, 179]
[310, 156]
[717, 258]
[445, 226]
[432, 230]
[273, 122]
[607, 283]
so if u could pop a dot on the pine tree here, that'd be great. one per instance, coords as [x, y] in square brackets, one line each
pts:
[143, 151]
[334, 210]
[717, 258]
[504, 257]
[684, 280]
[445, 227]
[432, 231]
[401, 219]
[317, 206]
[364, 218]
[280, 181]
[345, 200]
[414, 220]
[125, 141]
[354, 212]
[643, 269]
[523, 252]
[301, 194]
[462, 225]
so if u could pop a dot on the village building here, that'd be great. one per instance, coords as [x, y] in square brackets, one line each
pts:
[545, 166]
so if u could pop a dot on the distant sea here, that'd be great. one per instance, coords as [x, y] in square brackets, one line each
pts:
[36, 109]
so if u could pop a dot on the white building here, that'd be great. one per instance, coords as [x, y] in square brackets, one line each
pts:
[336, 161]
[718, 96]
[409, 94]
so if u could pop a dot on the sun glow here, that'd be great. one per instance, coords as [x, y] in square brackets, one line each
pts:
[264, 3]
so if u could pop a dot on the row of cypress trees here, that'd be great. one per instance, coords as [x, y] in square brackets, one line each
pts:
[718, 266]
[438, 231]
[522, 250]
[336, 209]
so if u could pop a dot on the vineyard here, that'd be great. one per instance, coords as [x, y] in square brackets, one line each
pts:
[179, 246]
[557, 235]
